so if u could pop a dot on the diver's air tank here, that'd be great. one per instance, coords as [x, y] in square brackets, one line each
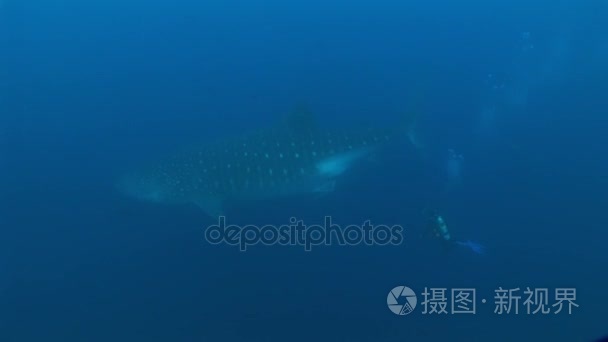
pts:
[443, 228]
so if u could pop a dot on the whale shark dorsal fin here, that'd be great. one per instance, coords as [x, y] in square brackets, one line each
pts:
[301, 120]
[213, 207]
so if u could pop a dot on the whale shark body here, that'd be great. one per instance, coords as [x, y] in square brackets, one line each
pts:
[296, 157]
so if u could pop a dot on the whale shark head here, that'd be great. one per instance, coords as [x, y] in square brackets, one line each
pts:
[147, 187]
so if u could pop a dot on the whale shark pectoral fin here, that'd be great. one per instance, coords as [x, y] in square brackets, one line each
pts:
[214, 207]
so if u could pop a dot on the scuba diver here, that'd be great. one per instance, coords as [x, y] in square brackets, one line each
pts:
[437, 228]
[454, 169]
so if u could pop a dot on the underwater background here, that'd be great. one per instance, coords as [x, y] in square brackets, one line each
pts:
[90, 88]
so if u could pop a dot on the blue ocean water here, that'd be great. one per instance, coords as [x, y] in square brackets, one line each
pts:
[88, 89]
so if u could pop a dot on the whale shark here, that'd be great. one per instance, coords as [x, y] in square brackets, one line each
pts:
[295, 156]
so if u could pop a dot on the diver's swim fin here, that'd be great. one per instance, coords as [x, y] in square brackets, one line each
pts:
[477, 248]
